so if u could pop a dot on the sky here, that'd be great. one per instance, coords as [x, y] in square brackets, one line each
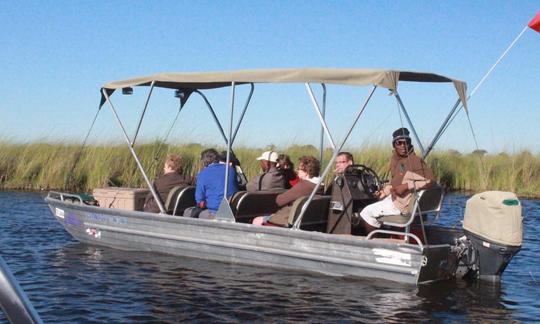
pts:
[56, 55]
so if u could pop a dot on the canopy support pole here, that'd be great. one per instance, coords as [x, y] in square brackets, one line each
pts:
[126, 137]
[217, 120]
[167, 134]
[163, 142]
[143, 112]
[213, 115]
[441, 129]
[321, 146]
[320, 115]
[398, 98]
[79, 152]
[224, 211]
[229, 143]
[298, 221]
[243, 113]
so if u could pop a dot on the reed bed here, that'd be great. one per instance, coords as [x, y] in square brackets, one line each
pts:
[43, 166]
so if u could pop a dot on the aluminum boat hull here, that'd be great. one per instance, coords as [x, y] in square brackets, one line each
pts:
[335, 255]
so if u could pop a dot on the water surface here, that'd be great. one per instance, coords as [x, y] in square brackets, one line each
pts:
[71, 282]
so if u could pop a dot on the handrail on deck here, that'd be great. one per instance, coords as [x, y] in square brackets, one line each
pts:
[63, 196]
[379, 231]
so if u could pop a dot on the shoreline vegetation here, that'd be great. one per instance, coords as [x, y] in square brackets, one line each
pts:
[45, 166]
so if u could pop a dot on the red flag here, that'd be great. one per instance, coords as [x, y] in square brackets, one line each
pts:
[535, 22]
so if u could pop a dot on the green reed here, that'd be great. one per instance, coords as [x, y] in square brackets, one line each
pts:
[61, 166]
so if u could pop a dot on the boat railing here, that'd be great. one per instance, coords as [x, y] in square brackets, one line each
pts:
[407, 235]
[62, 196]
[425, 201]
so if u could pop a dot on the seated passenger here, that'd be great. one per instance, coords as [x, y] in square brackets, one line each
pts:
[271, 178]
[240, 176]
[172, 177]
[343, 160]
[308, 172]
[210, 185]
[287, 168]
[408, 172]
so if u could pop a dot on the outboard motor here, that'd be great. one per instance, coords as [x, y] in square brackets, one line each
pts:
[351, 192]
[494, 226]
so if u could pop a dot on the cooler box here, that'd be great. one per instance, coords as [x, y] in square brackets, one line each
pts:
[121, 198]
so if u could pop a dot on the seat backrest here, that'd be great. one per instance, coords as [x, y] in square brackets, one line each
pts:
[430, 199]
[180, 198]
[233, 201]
[316, 215]
[427, 201]
[249, 205]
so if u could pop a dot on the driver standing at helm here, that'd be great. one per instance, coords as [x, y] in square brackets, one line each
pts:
[408, 171]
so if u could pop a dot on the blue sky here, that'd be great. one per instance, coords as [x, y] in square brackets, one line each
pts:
[57, 54]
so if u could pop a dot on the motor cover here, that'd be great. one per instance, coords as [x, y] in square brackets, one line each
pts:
[496, 217]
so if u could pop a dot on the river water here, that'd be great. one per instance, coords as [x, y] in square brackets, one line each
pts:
[69, 282]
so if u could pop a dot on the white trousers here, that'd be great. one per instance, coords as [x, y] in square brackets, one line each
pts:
[382, 207]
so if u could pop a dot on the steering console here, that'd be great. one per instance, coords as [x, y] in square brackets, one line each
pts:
[364, 178]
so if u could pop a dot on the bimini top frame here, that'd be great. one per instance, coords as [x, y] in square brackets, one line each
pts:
[188, 83]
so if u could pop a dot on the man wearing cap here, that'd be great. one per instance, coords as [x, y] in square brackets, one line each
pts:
[408, 172]
[271, 178]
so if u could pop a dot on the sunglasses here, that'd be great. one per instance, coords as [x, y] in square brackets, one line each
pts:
[400, 143]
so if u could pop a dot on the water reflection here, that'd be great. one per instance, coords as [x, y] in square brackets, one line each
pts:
[172, 289]
[467, 301]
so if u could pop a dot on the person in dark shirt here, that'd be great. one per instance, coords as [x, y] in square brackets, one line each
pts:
[343, 160]
[172, 177]
[308, 172]
[271, 178]
[285, 165]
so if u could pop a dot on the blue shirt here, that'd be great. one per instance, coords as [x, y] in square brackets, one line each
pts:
[210, 185]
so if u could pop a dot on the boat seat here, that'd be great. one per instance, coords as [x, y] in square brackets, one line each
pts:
[233, 201]
[248, 205]
[424, 202]
[316, 216]
[180, 198]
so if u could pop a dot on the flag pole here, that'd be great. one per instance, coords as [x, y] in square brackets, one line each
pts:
[498, 61]
[484, 79]
[533, 24]
[450, 120]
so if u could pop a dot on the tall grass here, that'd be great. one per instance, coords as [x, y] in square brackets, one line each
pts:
[35, 166]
